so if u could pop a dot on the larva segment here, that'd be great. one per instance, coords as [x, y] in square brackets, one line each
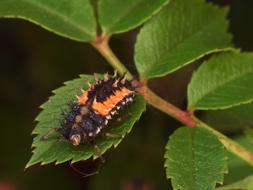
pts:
[110, 103]
[94, 107]
[83, 98]
[100, 108]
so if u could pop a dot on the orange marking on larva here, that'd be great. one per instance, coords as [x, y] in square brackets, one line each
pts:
[120, 94]
[105, 107]
[100, 108]
[83, 98]
[109, 103]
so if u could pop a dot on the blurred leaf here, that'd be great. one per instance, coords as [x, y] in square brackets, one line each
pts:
[236, 164]
[223, 81]
[195, 159]
[60, 150]
[181, 33]
[245, 184]
[118, 16]
[71, 19]
[248, 131]
[230, 120]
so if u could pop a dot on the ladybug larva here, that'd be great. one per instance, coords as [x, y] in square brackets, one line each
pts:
[95, 107]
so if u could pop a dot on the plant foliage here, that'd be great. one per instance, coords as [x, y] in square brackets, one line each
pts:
[245, 184]
[195, 159]
[71, 19]
[127, 15]
[223, 81]
[181, 33]
[174, 33]
[56, 148]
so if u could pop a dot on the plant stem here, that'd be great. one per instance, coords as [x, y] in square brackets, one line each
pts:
[166, 107]
[101, 43]
[185, 117]
[230, 145]
[191, 121]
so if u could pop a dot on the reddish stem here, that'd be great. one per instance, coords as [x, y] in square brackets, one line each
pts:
[157, 102]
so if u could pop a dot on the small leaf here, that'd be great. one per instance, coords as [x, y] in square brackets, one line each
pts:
[230, 120]
[236, 164]
[195, 159]
[223, 81]
[248, 131]
[71, 19]
[245, 184]
[118, 16]
[181, 33]
[60, 150]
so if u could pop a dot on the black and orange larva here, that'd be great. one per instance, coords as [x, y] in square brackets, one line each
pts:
[89, 115]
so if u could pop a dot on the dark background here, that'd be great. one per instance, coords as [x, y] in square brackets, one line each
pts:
[34, 61]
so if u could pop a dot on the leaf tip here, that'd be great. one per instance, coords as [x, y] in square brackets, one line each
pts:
[27, 166]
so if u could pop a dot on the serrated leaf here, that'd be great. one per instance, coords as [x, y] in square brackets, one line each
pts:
[223, 81]
[195, 159]
[245, 184]
[181, 33]
[60, 150]
[116, 16]
[71, 19]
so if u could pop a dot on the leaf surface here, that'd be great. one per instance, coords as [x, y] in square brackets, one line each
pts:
[236, 164]
[223, 81]
[245, 184]
[71, 19]
[118, 16]
[195, 159]
[56, 148]
[230, 120]
[181, 33]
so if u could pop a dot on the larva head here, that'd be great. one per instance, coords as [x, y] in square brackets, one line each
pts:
[75, 139]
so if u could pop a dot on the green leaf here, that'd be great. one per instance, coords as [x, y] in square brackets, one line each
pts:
[223, 81]
[248, 131]
[181, 33]
[71, 19]
[60, 150]
[116, 16]
[230, 120]
[245, 184]
[195, 159]
[236, 164]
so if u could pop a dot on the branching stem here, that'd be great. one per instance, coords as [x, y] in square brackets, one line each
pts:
[185, 117]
